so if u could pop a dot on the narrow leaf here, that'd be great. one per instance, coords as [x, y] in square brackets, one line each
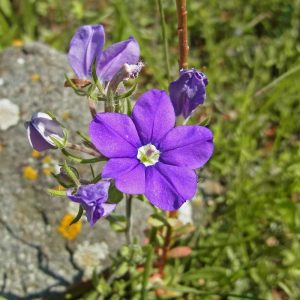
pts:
[78, 217]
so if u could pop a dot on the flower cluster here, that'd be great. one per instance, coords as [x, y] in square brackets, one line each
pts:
[145, 152]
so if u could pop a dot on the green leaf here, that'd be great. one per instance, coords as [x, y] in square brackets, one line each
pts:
[122, 269]
[6, 8]
[56, 193]
[157, 220]
[78, 217]
[117, 222]
[114, 195]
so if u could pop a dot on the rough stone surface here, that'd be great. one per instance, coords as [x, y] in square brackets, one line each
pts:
[35, 260]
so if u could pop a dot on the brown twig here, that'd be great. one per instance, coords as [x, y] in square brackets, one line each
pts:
[167, 244]
[183, 45]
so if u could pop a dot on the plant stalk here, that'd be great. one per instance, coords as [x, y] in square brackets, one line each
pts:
[129, 219]
[83, 149]
[182, 32]
[92, 107]
[164, 36]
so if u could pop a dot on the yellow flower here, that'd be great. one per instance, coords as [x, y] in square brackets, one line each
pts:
[30, 173]
[68, 231]
[47, 171]
[47, 159]
[17, 43]
[59, 188]
[35, 154]
[35, 77]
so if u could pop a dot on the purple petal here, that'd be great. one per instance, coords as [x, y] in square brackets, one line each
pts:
[73, 197]
[168, 187]
[115, 56]
[114, 135]
[85, 45]
[107, 209]
[128, 173]
[153, 115]
[187, 146]
[47, 127]
[36, 140]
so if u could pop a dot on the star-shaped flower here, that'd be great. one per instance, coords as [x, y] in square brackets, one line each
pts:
[148, 155]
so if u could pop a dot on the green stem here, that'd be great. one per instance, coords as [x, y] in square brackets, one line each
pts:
[147, 271]
[129, 219]
[164, 36]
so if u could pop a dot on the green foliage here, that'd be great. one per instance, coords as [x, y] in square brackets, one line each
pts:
[246, 245]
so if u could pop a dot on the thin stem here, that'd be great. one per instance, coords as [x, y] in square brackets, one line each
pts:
[164, 36]
[183, 45]
[129, 219]
[166, 246]
[92, 107]
[147, 271]
[83, 149]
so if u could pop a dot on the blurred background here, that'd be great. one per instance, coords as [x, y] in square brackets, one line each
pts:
[248, 237]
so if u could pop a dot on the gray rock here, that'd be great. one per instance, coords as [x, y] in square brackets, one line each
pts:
[35, 260]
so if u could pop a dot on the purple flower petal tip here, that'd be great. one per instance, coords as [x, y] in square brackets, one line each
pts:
[148, 155]
[115, 56]
[188, 91]
[85, 46]
[93, 198]
[40, 130]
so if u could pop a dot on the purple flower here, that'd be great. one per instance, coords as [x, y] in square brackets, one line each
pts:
[40, 130]
[86, 47]
[188, 92]
[93, 199]
[148, 155]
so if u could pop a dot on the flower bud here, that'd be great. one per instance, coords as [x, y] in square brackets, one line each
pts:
[40, 131]
[188, 92]
[85, 46]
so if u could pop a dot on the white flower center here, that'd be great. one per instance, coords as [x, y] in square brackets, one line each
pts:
[148, 155]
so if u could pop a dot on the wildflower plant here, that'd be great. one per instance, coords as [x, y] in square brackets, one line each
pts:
[147, 153]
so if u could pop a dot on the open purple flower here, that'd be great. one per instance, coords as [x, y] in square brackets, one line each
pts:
[188, 92]
[41, 129]
[93, 199]
[148, 155]
[86, 47]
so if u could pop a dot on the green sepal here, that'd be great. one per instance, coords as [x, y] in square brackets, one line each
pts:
[85, 137]
[78, 217]
[129, 107]
[71, 173]
[60, 144]
[128, 93]
[56, 193]
[64, 184]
